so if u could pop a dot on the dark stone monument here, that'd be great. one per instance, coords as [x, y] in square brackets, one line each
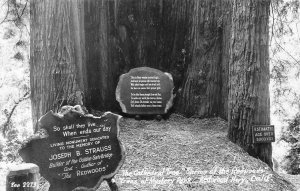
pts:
[263, 133]
[145, 91]
[76, 151]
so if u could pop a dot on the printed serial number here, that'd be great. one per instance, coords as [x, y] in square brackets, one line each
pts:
[29, 184]
[24, 185]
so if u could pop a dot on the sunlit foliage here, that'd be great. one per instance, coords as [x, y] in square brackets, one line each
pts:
[15, 114]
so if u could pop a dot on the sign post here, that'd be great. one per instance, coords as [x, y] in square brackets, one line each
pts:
[77, 151]
[263, 133]
[23, 177]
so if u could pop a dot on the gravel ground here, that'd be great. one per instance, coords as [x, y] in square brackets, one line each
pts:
[189, 154]
[294, 179]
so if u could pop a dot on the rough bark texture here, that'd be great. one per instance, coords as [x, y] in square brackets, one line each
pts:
[202, 84]
[226, 37]
[249, 102]
[55, 54]
[98, 54]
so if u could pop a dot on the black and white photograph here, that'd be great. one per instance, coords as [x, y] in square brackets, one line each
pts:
[149, 95]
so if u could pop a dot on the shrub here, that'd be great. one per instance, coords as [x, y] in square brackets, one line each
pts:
[291, 162]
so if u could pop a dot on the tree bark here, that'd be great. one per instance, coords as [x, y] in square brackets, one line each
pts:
[202, 84]
[249, 102]
[98, 54]
[56, 54]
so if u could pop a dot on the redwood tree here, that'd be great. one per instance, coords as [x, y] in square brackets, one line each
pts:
[248, 99]
[216, 50]
[203, 84]
[56, 54]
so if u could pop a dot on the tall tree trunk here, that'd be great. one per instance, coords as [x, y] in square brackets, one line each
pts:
[249, 102]
[56, 54]
[202, 84]
[98, 49]
[226, 43]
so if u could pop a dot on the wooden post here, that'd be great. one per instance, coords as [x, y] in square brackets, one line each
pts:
[112, 184]
[23, 177]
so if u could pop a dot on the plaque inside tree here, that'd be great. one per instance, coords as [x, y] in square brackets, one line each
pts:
[144, 91]
[76, 150]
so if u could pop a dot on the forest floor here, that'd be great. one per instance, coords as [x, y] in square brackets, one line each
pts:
[187, 154]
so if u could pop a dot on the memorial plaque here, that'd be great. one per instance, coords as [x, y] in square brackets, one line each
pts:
[145, 90]
[77, 151]
[263, 133]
